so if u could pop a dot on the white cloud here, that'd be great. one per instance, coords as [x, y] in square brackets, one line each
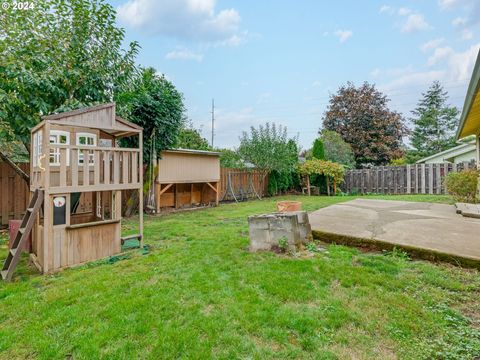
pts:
[467, 34]
[445, 4]
[412, 21]
[386, 9]
[459, 21]
[440, 53]
[432, 44]
[316, 83]
[264, 98]
[184, 54]
[415, 22]
[404, 11]
[343, 35]
[184, 19]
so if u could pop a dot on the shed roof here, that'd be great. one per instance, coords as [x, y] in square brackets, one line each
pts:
[470, 118]
[192, 151]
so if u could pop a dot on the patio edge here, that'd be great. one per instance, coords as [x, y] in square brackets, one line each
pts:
[415, 252]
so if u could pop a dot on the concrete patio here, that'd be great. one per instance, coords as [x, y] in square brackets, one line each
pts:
[426, 230]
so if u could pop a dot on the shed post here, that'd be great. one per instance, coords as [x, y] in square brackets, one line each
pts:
[140, 190]
[47, 202]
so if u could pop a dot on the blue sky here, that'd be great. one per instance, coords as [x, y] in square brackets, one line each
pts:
[278, 61]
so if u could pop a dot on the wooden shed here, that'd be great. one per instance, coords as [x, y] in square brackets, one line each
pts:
[76, 155]
[187, 178]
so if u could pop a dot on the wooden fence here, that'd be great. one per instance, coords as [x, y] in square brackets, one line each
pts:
[14, 193]
[405, 179]
[241, 182]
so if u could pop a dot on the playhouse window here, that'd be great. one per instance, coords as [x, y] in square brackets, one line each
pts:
[58, 137]
[37, 147]
[86, 139]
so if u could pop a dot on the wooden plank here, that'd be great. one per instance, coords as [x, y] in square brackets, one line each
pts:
[134, 168]
[430, 178]
[106, 167]
[125, 168]
[96, 168]
[5, 196]
[116, 168]
[409, 179]
[422, 176]
[74, 167]
[86, 168]
[438, 178]
[63, 167]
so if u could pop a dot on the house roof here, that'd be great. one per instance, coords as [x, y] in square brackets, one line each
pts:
[452, 152]
[192, 151]
[470, 118]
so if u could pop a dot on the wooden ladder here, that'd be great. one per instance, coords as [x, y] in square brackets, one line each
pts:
[22, 234]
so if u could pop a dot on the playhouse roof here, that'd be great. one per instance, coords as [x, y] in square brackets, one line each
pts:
[100, 117]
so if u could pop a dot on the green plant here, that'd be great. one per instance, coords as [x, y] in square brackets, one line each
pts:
[312, 247]
[283, 244]
[463, 186]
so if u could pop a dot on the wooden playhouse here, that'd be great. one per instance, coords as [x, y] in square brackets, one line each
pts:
[187, 178]
[77, 174]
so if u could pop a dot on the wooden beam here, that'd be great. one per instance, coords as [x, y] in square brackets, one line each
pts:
[164, 189]
[15, 167]
[213, 187]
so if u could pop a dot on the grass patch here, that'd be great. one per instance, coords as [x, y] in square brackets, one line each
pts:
[197, 293]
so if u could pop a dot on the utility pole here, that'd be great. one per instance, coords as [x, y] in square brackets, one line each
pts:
[213, 120]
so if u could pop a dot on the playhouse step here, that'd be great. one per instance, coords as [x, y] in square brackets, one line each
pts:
[30, 209]
[4, 274]
[13, 251]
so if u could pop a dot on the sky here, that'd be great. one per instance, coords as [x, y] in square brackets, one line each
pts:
[279, 61]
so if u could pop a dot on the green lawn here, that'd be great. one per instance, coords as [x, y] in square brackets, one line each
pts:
[200, 294]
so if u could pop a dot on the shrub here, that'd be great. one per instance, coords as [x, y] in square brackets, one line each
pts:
[463, 185]
[281, 182]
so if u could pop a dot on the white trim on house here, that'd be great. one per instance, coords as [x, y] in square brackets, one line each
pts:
[449, 155]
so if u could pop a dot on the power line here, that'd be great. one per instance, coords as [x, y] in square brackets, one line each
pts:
[213, 120]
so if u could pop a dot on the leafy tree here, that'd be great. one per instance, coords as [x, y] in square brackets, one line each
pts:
[230, 159]
[434, 122]
[269, 149]
[318, 150]
[362, 118]
[190, 138]
[157, 106]
[60, 55]
[336, 149]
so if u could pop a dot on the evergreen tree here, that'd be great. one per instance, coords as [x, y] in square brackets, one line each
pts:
[318, 150]
[434, 122]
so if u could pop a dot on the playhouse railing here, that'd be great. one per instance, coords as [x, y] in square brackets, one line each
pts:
[76, 168]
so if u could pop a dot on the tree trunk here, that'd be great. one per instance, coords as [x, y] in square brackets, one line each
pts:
[334, 187]
[15, 167]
